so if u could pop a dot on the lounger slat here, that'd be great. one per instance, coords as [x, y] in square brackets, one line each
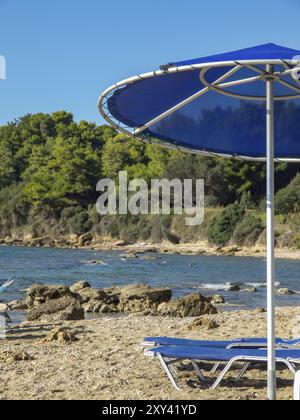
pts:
[216, 354]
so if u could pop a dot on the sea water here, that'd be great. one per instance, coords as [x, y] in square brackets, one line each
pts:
[183, 274]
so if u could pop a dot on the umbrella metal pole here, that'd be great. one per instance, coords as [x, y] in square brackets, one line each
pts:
[270, 239]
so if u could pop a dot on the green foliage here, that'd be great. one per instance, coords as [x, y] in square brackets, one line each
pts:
[296, 241]
[222, 228]
[13, 208]
[248, 231]
[75, 220]
[287, 200]
[140, 160]
[50, 166]
[66, 171]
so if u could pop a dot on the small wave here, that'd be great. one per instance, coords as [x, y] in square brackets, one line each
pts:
[212, 286]
[225, 286]
[261, 285]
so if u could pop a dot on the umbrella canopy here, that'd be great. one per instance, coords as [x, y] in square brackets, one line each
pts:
[243, 104]
[213, 104]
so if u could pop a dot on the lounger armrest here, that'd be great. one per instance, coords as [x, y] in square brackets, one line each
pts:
[149, 353]
[289, 346]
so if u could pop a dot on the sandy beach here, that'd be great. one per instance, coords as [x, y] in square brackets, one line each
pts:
[107, 361]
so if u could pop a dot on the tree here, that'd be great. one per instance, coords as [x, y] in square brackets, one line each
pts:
[221, 230]
[66, 169]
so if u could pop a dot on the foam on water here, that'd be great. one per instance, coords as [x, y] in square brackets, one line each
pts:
[226, 286]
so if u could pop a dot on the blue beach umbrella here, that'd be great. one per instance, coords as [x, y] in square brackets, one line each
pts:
[234, 105]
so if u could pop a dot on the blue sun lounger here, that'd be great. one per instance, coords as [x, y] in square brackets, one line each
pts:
[170, 355]
[150, 342]
[6, 285]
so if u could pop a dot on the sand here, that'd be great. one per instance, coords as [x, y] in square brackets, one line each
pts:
[107, 362]
[199, 248]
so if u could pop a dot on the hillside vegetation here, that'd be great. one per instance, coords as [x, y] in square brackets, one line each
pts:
[50, 166]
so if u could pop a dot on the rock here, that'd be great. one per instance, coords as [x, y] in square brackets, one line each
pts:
[141, 291]
[193, 305]
[203, 322]
[135, 305]
[129, 255]
[66, 308]
[93, 301]
[39, 242]
[260, 311]
[85, 239]
[90, 307]
[88, 294]
[140, 298]
[120, 243]
[250, 290]
[233, 288]
[230, 250]
[129, 299]
[60, 336]
[150, 258]
[14, 356]
[3, 307]
[99, 307]
[95, 262]
[285, 292]
[150, 249]
[113, 295]
[72, 239]
[107, 309]
[80, 285]
[39, 294]
[171, 237]
[18, 305]
[217, 300]
[143, 314]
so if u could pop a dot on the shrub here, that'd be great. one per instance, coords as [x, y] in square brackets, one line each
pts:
[13, 208]
[248, 231]
[224, 225]
[296, 241]
[75, 220]
[287, 200]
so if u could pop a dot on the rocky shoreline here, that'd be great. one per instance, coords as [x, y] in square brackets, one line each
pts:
[90, 242]
[62, 303]
[52, 303]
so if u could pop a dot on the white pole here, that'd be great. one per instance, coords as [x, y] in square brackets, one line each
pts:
[270, 239]
[297, 387]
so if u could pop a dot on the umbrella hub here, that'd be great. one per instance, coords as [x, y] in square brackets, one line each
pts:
[237, 81]
[269, 77]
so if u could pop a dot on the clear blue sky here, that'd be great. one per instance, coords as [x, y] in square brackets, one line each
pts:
[62, 53]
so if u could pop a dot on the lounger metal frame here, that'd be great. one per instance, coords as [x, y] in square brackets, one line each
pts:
[169, 364]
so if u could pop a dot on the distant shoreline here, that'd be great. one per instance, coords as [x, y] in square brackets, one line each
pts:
[189, 249]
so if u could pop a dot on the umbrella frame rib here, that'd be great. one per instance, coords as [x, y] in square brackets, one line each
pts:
[138, 132]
